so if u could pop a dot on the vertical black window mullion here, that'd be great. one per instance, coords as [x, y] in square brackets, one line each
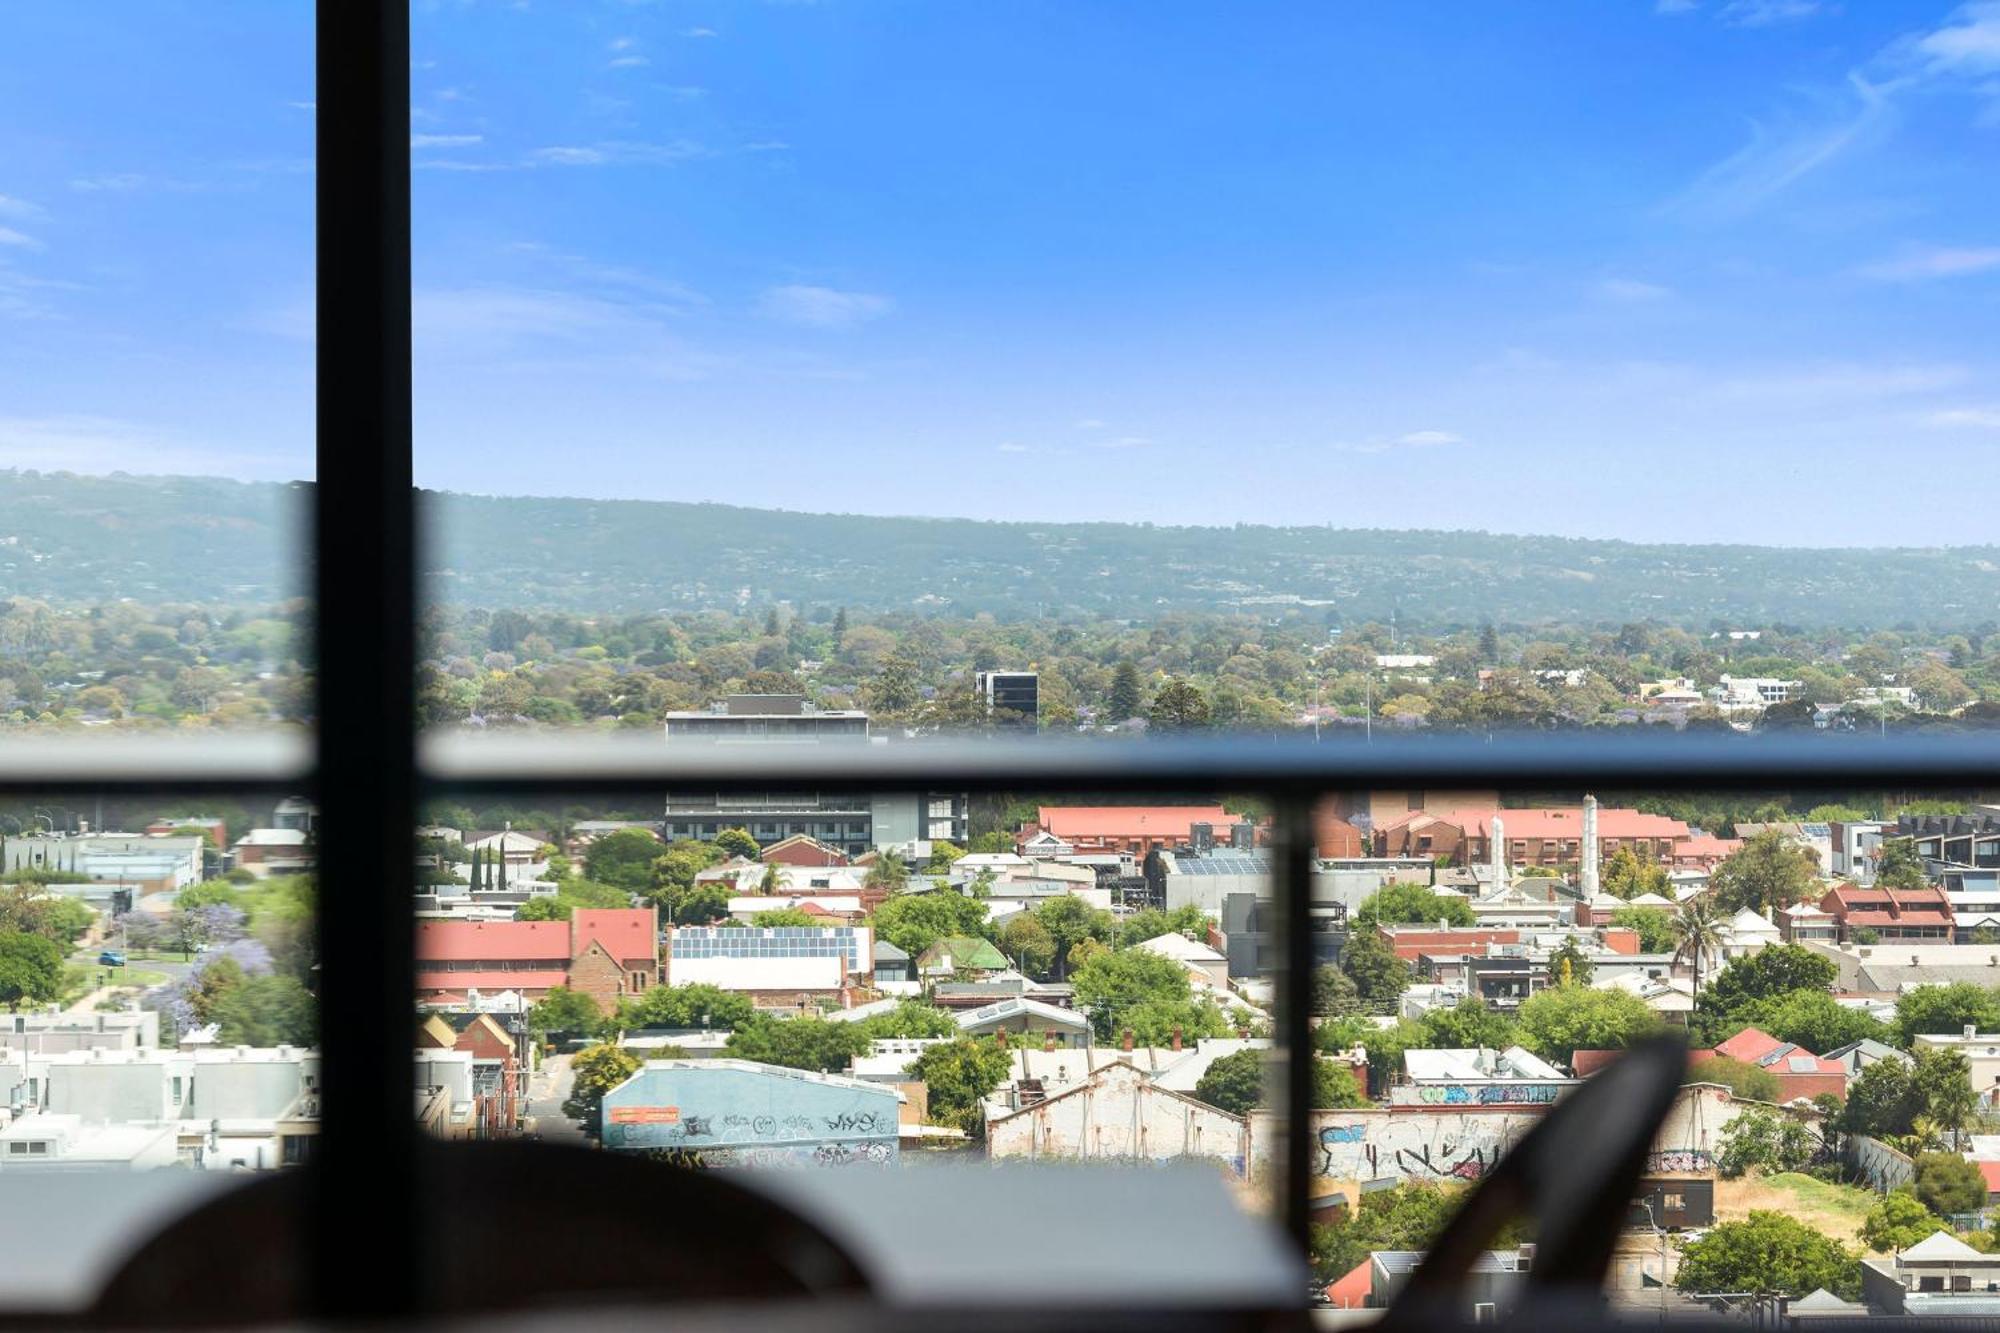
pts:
[364, 1255]
[1294, 835]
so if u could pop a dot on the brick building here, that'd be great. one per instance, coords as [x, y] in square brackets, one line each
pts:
[1894, 915]
[1551, 837]
[1137, 829]
[607, 953]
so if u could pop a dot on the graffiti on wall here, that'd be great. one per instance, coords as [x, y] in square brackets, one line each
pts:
[1680, 1159]
[1490, 1094]
[798, 1154]
[1438, 1146]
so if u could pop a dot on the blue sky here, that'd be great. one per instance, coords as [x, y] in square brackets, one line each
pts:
[1665, 270]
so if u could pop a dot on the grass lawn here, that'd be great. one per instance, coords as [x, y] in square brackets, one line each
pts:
[141, 977]
[1837, 1210]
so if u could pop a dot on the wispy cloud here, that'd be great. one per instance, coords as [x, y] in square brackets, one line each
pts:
[446, 140]
[1935, 262]
[1122, 442]
[1631, 291]
[11, 207]
[1415, 439]
[111, 182]
[1010, 448]
[628, 62]
[1840, 382]
[303, 106]
[1768, 13]
[1090, 423]
[700, 32]
[1968, 44]
[619, 152]
[1672, 8]
[18, 240]
[1979, 418]
[822, 307]
[1779, 156]
[543, 329]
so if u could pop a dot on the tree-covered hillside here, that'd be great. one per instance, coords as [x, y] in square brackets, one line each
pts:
[94, 539]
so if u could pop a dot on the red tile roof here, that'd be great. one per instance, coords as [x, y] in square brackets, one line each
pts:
[1990, 1170]
[626, 932]
[457, 983]
[1350, 1291]
[493, 941]
[1551, 822]
[1131, 821]
[1412, 942]
[1749, 1046]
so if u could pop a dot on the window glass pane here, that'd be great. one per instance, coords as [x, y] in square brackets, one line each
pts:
[155, 366]
[913, 1006]
[161, 1026]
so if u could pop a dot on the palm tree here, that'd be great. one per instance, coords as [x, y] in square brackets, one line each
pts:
[888, 873]
[1697, 935]
[774, 879]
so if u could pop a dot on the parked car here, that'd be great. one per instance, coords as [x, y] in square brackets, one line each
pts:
[111, 958]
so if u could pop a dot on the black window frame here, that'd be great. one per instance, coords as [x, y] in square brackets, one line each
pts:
[366, 772]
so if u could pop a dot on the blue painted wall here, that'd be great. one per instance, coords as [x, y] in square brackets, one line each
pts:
[757, 1116]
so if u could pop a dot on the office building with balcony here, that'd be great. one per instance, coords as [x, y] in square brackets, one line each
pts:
[766, 719]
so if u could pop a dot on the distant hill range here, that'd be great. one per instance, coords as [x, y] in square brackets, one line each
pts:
[76, 539]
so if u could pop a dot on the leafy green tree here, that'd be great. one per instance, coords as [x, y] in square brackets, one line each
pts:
[915, 921]
[548, 907]
[896, 690]
[1558, 1022]
[737, 842]
[31, 969]
[1900, 866]
[1767, 873]
[266, 1010]
[1898, 1222]
[1815, 1020]
[944, 856]
[1771, 1253]
[1379, 976]
[1334, 1088]
[1028, 942]
[1070, 921]
[1234, 1083]
[1468, 1025]
[958, 1076]
[1767, 1141]
[1111, 984]
[30, 908]
[564, 1010]
[1624, 875]
[911, 1018]
[786, 916]
[1654, 924]
[1569, 965]
[805, 1042]
[1149, 923]
[1697, 935]
[1882, 1102]
[1408, 1217]
[1947, 1184]
[1778, 970]
[692, 1006]
[1179, 706]
[594, 1071]
[887, 872]
[1124, 699]
[623, 858]
[1334, 992]
[1411, 905]
[1948, 1008]
[1943, 1082]
[1743, 1079]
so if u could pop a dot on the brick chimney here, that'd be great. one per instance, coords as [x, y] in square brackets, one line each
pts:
[1177, 1037]
[1127, 1044]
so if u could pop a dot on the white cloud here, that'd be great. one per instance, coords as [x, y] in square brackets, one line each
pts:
[112, 182]
[1936, 262]
[1415, 439]
[1675, 7]
[1775, 159]
[569, 156]
[699, 32]
[1122, 442]
[1979, 418]
[18, 208]
[1631, 290]
[303, 106]
[617, 153]
[1970, 44]
[1090, 423]
[1768, 13]
[822, 307]
[20, 240]
[1010, 448]
[446, 140]
[629, 62]
[620, 44]
[1840, 382]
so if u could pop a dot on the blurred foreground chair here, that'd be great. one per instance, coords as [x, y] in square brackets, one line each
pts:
[512, 1226]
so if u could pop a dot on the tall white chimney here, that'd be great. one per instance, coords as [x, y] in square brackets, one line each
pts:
[1499, 855]
[1589, 885]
